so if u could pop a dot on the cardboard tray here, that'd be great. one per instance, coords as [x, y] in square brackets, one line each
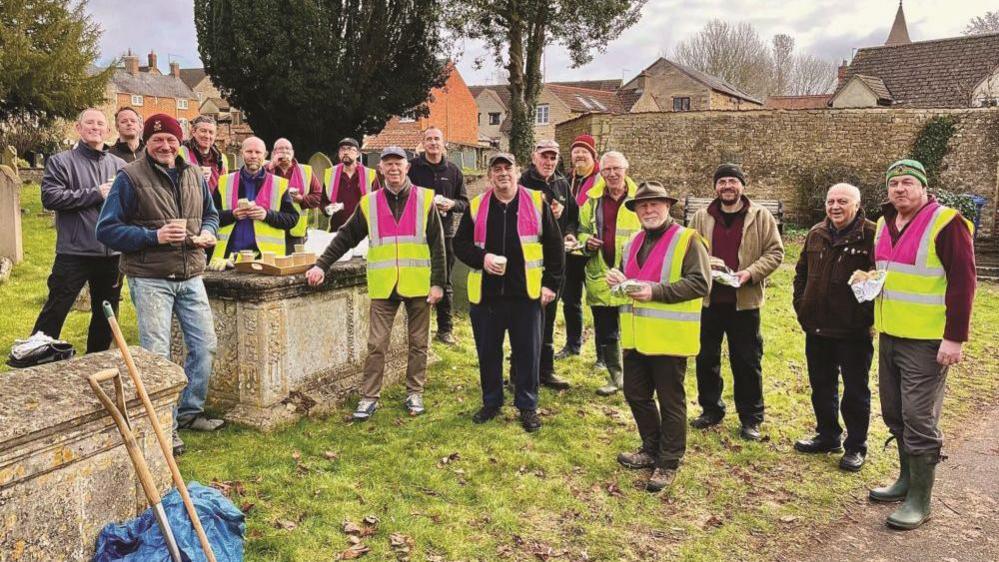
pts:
[261, 268]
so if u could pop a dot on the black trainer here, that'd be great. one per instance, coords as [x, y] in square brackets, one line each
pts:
[530, 421]
[852, 461]
[706, 420]
[485, 414]
[817, 444]
[750, 432]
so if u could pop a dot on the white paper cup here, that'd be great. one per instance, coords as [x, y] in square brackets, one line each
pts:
[501, 262]
[243, 203]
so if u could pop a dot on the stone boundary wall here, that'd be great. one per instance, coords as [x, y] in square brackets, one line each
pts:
[776, 147]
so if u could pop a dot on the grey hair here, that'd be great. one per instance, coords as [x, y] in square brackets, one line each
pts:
[203, 119]
[79, 118]
[849, 187]
[614, 154]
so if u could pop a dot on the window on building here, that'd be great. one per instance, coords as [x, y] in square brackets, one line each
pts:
[681, 104]
[494, 118]
[405, 119]
[541, 114]
[136, 100]
[478, 119]
[181, 104]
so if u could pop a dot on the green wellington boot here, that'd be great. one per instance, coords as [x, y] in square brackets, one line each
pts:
[916, 509]
[612, 357]
[895, 492]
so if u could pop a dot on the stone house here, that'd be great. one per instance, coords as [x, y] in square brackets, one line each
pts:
[232, 125]
[669, 86]
[557, 102]
[452, 110]
[953, 72]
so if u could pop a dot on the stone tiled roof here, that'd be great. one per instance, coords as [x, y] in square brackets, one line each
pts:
[607, 85]
[715, 83]
[192, 76]
[583, 100]
[406, 135]
[146, 84]
[818, 101]
[934, 74]
[877, 86]
[627, 99]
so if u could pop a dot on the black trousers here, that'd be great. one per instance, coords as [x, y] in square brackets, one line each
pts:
[745, 353]
[572, 300]
[548, 341]
[445, 322]
[664, 429]
[827, 359]
[69, 274]
[606, 325]
[491, 320]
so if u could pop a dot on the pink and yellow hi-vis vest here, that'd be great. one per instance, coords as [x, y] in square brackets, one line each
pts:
[331, 179]
[656, 328]
[273, 188]
[301, 178]
[398, 254]
[911, 303]
[529, 216]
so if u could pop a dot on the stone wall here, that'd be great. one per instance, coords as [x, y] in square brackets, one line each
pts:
[64, 470]
[776, 147]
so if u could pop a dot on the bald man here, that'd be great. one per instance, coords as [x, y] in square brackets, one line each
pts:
[838, 335]
[261, 222]
[75, 185]
[305, 187]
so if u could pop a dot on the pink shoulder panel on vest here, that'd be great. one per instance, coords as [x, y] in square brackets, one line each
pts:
[907, 249]
[528, 223]
[387, 225]
[652, 270]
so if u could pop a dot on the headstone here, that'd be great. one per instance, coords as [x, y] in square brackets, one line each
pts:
[9, 158]
[320, 163]
[235, 162]
[11, 244]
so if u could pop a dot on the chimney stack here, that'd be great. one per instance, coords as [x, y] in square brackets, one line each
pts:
[152, 62]
[841, 73]
[131, 63]
[175, 69]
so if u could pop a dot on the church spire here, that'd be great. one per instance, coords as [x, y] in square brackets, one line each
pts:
[899, 34]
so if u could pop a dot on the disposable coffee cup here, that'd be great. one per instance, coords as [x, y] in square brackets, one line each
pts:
[293, 190]
[243, 203]
[501, 262]
[179, 222]
[206, 170]
[268, 257]
[247, 256]
[299, 248]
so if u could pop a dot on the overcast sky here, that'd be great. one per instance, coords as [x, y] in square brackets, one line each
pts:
[827, 28]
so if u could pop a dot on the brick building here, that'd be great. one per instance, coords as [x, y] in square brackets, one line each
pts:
[452, 110]
[150, 91]
[232, 125]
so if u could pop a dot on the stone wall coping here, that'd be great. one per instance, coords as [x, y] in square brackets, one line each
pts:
[41, 401]
[263, 288]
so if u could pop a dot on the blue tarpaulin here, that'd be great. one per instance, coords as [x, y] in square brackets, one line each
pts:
[140, 540]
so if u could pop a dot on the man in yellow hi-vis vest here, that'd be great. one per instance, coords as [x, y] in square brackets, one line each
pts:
[406, 266]
[666, 273]
[255, 208]
[304, 186]
[924, 314]
[512, 243]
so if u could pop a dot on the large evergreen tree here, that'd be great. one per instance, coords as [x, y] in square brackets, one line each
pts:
[517, 32]
[317, 71]
[47, 53]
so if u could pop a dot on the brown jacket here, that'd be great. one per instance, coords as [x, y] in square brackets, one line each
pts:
[760, 253]
[822, 299]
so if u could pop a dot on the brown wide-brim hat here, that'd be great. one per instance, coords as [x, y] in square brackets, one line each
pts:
[650, 190]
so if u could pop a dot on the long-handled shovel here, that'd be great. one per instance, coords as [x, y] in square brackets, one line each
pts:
[165, 444]
[120, 416]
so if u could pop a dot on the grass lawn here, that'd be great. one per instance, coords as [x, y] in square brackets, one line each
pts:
[457, 491]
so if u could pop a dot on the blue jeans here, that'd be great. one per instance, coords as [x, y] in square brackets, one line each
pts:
[156, 302]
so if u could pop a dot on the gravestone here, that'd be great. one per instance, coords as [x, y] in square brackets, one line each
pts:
[9, 158]
[11, 244]
[320, 163]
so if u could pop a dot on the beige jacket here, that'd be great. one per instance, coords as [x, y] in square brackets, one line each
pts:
[760, 253]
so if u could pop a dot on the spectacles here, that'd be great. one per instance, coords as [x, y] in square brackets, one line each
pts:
[614, 169]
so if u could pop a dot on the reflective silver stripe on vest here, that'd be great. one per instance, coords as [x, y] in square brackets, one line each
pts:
[421, 228]
[530, 239]
[661, 314]
[270, 239]
[670, 253]
[534, 264]
[913, 298]
[373, 237]
[922, 253]
[598, 216]
[400, 263]
[399, 240]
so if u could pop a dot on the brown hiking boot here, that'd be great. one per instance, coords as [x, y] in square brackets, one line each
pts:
[661, 478]
[638, 459]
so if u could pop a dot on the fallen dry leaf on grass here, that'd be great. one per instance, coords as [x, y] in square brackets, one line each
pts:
[354, 552]
[330, 455]
[285, 524]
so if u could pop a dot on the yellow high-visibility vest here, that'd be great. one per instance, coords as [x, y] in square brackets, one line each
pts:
[530, 231]
[591, 223]
[268, 238]
[655, 328]
[398, 253]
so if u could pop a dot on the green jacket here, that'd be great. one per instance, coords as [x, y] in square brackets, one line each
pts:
[598, 292]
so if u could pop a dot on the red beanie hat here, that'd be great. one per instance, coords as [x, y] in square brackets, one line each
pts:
[587, 142]
[162, 123]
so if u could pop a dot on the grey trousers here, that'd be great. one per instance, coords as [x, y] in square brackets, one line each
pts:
[912, 390]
